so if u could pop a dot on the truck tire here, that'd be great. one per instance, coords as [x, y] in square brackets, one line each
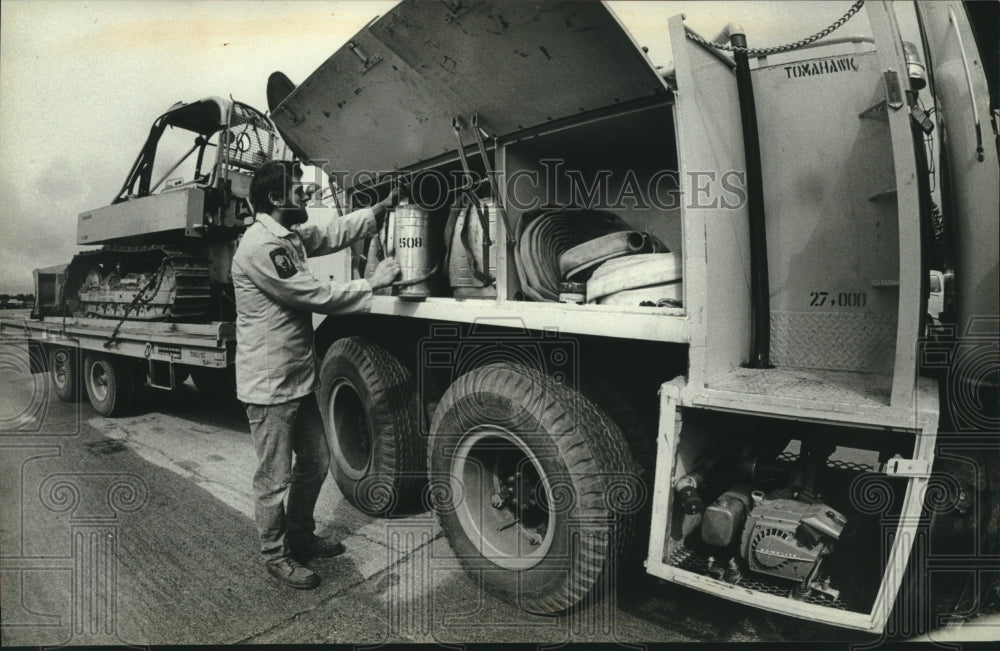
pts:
[219, 383]
[641, 445]
[368, 398]
[956, 541]
[64, 369]
[110, 383]
[534, 486]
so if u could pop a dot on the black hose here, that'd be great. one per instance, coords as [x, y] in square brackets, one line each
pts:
[760, 302]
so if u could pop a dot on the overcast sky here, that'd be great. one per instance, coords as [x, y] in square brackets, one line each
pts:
[82, 82]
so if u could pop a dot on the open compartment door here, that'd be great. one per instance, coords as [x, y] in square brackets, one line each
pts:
[385, 100]
[715, 222]
[972, 196]
[895, 103]
[843, 214]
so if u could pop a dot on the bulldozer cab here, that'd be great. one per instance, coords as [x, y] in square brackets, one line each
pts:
[192, 176]
[210, 143]
[169, 234]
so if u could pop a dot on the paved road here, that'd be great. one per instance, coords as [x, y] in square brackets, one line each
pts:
[139, 530]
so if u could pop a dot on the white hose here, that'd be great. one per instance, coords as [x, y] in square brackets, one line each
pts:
[635, 271]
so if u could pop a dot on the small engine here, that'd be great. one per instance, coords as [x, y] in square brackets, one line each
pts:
[780, 536]
[786, 533]
[789, 538]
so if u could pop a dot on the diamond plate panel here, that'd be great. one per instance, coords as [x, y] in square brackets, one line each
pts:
[847, 341]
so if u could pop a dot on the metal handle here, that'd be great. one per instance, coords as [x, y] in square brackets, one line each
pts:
[457, 126]
[968, 79]
[469, 189]
[492, 179]
[417, 281]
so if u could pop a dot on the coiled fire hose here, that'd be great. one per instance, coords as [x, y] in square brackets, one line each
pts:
[584, 257]
[653, 277]
[550, 233]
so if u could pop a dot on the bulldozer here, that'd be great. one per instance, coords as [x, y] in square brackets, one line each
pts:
[166, 241]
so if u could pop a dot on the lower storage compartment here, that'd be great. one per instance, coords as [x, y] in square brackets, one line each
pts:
[852, 570]
[794, 517]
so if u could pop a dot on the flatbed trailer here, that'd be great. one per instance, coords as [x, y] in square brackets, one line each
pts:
[118, 358]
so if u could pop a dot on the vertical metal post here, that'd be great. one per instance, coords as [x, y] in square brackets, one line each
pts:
[760, 302]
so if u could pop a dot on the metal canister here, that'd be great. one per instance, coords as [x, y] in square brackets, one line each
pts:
[412, 244]
[573, 293]
[463, 263]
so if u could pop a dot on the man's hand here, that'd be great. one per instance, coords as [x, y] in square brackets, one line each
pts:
[382, 207]
[385, 273]
[394, 193]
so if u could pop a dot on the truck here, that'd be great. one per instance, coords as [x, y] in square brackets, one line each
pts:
[657, 316]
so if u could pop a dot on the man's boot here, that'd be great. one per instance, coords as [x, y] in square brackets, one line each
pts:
[291, 573]
[312, 546]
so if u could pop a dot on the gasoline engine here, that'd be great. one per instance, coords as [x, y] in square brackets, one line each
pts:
[785, 533]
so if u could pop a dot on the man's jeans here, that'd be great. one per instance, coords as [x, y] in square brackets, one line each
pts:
[278, 431]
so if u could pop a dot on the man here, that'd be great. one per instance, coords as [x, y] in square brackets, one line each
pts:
[275, 362]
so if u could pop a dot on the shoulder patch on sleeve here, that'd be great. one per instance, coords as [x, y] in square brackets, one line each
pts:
[282, 262]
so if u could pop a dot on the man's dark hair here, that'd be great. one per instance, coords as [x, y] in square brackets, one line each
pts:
[273, 176]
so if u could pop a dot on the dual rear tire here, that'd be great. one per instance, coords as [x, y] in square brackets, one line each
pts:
[534, 484]
[110, 381]
[107, 380]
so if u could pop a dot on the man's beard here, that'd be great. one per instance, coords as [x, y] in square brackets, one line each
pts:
[294, 215]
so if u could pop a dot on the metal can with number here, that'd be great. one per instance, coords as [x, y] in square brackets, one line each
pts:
[412, 244]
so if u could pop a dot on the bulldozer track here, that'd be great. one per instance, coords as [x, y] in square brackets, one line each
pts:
[179, 280]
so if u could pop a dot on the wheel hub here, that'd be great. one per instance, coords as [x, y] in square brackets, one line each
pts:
[506, 497]
[60, 363]
[352, 438]
[99, 381]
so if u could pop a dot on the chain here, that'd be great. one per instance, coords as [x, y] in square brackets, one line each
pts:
[855, 8]
[140, 299]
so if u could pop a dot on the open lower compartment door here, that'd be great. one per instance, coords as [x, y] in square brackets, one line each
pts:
[386, 99]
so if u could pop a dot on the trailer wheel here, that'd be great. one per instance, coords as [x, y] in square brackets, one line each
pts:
[64, 369]
[368, 399]
[110, 383]
[534, 486]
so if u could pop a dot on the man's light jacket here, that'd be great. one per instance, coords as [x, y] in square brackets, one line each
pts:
[276, 295]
